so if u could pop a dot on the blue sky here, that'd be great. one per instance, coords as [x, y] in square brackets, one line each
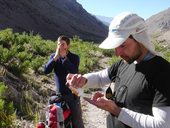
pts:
[110, 8]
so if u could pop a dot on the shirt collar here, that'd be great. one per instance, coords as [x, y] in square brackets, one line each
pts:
[148, 56]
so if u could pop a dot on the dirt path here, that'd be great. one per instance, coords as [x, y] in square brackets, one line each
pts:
[93, 117]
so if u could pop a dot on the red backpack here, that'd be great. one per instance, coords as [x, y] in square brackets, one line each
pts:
[58, 114]
[40, 125]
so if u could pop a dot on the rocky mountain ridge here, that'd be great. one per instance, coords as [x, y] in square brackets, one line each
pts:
[159, 26]
[104, 19]
[51, 18]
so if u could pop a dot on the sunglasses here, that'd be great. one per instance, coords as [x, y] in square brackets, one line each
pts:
[109, 93]
[119, 96]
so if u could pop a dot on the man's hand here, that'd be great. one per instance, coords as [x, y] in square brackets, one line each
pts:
[99, 101]
[76, 80]
[61, 51]
[97, 95]
[57, 54]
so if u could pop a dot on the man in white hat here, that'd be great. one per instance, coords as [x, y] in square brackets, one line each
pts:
[141, 97]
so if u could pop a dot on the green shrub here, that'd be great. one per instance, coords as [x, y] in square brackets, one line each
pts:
[21, 39]
[17, 67]
[6, 55]
[167, 56]
[37, 63]
[107, 52]
[7, 36]
[27, 106]
[163, 50]
[7, 113]
[23, 56]
[88, 59]
[42, 47]
[21, 52]
[113, 60]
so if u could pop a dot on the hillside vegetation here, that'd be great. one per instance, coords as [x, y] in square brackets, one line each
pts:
[22, 60]
[24, 89]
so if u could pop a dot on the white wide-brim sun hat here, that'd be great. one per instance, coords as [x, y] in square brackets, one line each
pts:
[114, 39]
[124, 25]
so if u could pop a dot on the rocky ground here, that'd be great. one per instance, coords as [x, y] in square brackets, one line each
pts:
[93, 117]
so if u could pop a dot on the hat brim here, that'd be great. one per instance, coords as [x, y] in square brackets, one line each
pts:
[115, 39]
[110, 43]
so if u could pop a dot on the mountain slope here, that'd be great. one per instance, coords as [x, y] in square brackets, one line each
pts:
[159, 26]
[51, 18]
[104, 19]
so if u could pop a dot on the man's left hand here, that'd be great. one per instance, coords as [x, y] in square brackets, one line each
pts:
[105, 104]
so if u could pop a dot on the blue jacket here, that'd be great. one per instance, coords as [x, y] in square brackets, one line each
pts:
[61, 69]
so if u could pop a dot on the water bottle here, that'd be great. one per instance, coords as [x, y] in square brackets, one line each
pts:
[77, 91]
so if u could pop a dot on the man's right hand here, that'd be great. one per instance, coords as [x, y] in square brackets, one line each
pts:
[76, 80]
[57, 54]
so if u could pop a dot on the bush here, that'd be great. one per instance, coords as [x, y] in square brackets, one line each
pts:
[7, 36]
[108, 52]
[37, 63]
[7, 113]
[21, 52]
[88, 60]
[163, 50]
